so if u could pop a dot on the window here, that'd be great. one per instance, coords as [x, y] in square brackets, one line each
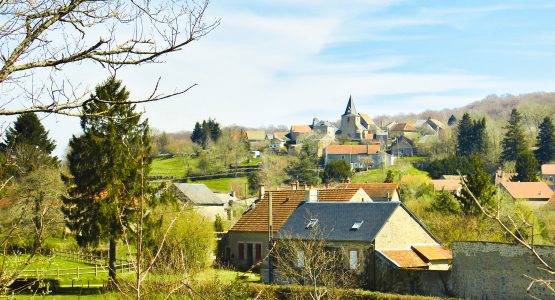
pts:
[311, 223]
[241, 250]
[258, 252]
[300, 259]
[353, 259]
[357, 224]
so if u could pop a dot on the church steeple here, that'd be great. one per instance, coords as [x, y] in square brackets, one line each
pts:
[350, 110]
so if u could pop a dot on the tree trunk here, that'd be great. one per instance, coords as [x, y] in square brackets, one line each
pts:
[112, 260]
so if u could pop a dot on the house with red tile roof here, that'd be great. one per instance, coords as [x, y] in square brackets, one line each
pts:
[538, 192]
[358, 156]
[548, 172]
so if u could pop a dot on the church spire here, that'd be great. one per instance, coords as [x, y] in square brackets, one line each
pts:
[350, 110]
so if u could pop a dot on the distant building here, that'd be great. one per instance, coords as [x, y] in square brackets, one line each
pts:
[403, 147]
[200, 198]
[359, 156]
[400, 129]
[356, 126]
[534, 192]
[323, 127]
[298, 131]
[548, 172]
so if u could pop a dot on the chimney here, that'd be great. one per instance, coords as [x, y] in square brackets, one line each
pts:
[294, 186]
[311, 195]
[261, 192]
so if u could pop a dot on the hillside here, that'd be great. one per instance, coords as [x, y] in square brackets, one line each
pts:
[534, 106]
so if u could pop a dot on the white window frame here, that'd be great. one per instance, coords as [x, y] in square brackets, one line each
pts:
[300, 259]
[353, 259]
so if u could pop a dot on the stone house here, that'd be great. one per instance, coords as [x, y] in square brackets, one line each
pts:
[247, 242]
[297, 131]
[202, 199]
[400, 129]
[402, 146]
[357, 155]
[548, 172]
[374, 237]
[450, 185]
[323, 127]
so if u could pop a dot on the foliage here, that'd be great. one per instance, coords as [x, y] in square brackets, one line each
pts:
[450, 165]
[105, 164]
[189, 242]
[272, 172]
[337, 171]
[208, 131]
[526, 167]
[303, 169]
[514, 141]
[545, 141]
[27, 129]
[389, 177]
[471, 136]
[445, 202]
[219, 224]
[452, 120]
[479, 183]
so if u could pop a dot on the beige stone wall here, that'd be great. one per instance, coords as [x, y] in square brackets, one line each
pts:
[401, 231]
[233, 238]
[210, 212]
[360, 196]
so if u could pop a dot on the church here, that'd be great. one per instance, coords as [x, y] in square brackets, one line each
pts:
[356, 126]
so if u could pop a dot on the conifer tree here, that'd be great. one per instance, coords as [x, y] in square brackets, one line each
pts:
[105, 179]
[471, 136]
[452, 120]
[514, 142]
[545, 141]
[196, 136]
[526, 167]
[27, 129]
[389, 177]
[479, 183]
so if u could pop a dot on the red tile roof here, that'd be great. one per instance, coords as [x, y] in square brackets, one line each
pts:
[548, 169]
[404, 258]
[301, 128]
[448, 185]
[336, 195]
[528, 190]
[353, 149]
[283, 205]
[374, 189]
[406, 127]
[432, 252]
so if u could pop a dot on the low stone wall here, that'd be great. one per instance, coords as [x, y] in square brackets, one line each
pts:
[485, 270]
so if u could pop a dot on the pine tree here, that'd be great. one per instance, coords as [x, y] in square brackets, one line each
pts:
[464, 136]
[27, 129]
[479, 183]
[514, 142]
[389, 177]
[215, 131]
[545, 141]
[105, 169]
[196, 136]
[526, 167]
[452, 120]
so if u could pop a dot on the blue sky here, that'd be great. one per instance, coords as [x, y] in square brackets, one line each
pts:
[285, 62]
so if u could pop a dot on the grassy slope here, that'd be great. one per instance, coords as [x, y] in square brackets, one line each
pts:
[402, 167]
[171, 166]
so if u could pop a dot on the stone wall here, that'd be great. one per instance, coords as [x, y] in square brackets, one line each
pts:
[485, 270]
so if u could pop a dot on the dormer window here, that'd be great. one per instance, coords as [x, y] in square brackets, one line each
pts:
[357, 225]
[312, 223]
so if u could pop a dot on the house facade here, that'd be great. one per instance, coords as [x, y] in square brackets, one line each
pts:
[374, 237]
[201, 199]
[548, 173]
[359, 156]
[535, 193]
[403, 147]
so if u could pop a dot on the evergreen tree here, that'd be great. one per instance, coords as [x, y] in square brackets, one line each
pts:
[337, 171]
[106, 163]
[389, 177]
[479, 183]
[27, 129]
[303, 169]
[464, 136]
[545, 142]
[214, 128]
[196, 136]
[514, 142]
[452, 120]
[526, 167]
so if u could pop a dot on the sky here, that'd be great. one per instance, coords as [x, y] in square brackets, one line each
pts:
[288, 61]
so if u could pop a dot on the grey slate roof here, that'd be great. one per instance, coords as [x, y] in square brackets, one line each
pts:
[198, 193]
[335, 220]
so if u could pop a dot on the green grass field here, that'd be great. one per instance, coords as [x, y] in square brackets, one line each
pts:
[172, 166]
[224, 184]
[402, 167]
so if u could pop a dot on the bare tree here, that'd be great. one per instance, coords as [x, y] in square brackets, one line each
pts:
[311, 261]
[39, 38]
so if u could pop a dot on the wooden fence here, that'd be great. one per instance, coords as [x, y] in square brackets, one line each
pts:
[86, 258]
[74, 272]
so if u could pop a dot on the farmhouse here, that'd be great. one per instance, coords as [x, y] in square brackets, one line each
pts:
[202, 199]
[359, 156]
[534, 192]
[548, 172]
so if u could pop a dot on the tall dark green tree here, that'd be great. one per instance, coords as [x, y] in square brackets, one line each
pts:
[389, 177]
[479, 183]
[208, 131]
[514, 142]
[545, 141]
[526, 167]
[106, 166]
[27, 129]
[196, 136]
[452, 120]
[471, 136]
[303, 169]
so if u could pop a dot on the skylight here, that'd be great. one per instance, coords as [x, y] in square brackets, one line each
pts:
[311, 223]
[357, 225]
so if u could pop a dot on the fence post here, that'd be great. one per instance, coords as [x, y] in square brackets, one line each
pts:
[77, 272]
[37, 272]
[95, 271]
[58, 272]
